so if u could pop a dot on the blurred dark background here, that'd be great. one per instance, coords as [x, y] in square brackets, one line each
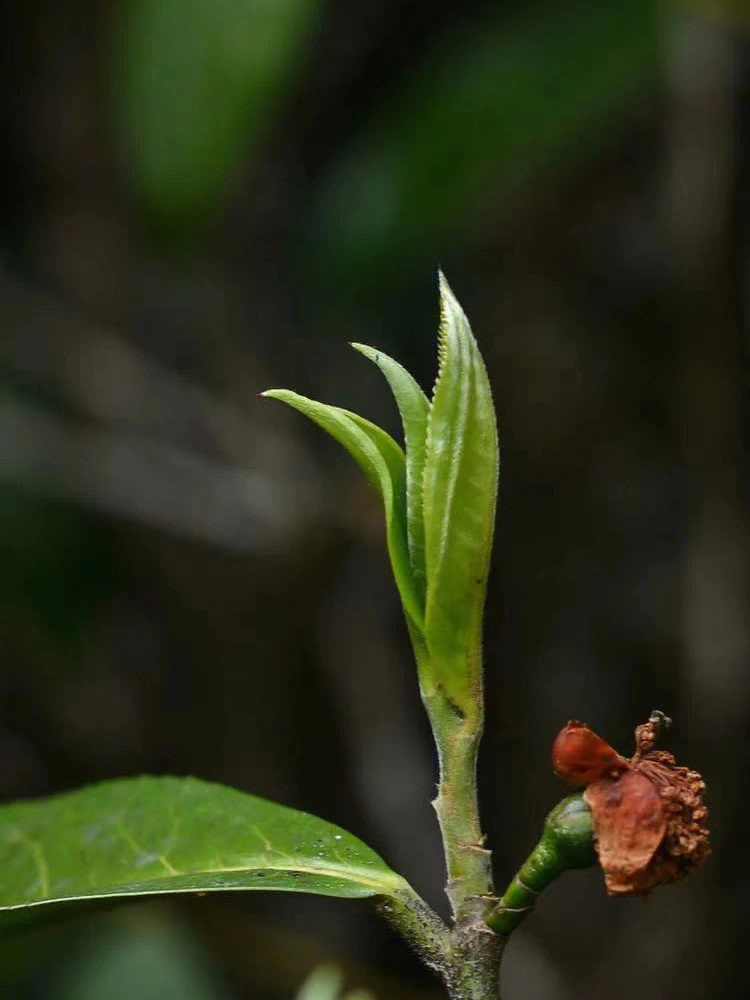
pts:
[202, 200]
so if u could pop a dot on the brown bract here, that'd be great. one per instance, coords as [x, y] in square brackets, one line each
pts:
[649, 822]
[630, 822]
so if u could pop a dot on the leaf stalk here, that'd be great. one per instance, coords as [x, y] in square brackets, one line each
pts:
[567, 842]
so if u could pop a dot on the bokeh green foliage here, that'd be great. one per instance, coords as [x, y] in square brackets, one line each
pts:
[139, 951]
[326, 983]
[56, 559]
[55, 564]
[505, 101]
[502, 106]
[148, 958]
[196, 84]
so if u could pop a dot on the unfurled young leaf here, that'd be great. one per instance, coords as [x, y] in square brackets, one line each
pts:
[439, 498]
[147, 835]
[414, 408]
[382, 461]
[460, 488]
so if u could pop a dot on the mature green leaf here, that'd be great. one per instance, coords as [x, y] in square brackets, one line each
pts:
[382, 461]
[460, 489]
[148, 835]
[414, 408]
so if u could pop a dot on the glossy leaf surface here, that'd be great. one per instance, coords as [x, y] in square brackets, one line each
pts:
[414, 408]
[460, 488]
[148, 835]
[382, 461]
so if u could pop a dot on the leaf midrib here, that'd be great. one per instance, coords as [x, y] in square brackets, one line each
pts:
[355, 876]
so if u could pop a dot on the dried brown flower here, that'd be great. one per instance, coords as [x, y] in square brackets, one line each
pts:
[649, 820]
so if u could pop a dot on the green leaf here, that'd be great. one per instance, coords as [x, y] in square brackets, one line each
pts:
[414, 408]
[460, 489]
[382, 461]
[148, 835]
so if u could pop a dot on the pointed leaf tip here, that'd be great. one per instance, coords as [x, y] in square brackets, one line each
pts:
[460, 486]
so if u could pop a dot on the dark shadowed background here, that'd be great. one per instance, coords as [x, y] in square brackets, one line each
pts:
[202, 200]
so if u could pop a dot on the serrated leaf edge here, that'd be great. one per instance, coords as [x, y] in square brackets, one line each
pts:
[464, 358]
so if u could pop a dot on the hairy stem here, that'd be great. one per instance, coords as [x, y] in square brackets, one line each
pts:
[472, 963]
[421, 928]
[469, 874]
[474, 972]
[457, 737]
[466, 957]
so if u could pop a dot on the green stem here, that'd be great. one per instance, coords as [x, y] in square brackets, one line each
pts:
[467, 957]
[469, 873]
[567, 842]
[457, 736]
[420, 927]
[474, 973]
[540, 868]
[472, 964]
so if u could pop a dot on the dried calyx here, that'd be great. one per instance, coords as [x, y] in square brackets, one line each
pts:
[649, 815]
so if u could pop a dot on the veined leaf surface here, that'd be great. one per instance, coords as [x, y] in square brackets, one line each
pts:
[382, 461]
[460, 488]
[414, 408]
[146, 835]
